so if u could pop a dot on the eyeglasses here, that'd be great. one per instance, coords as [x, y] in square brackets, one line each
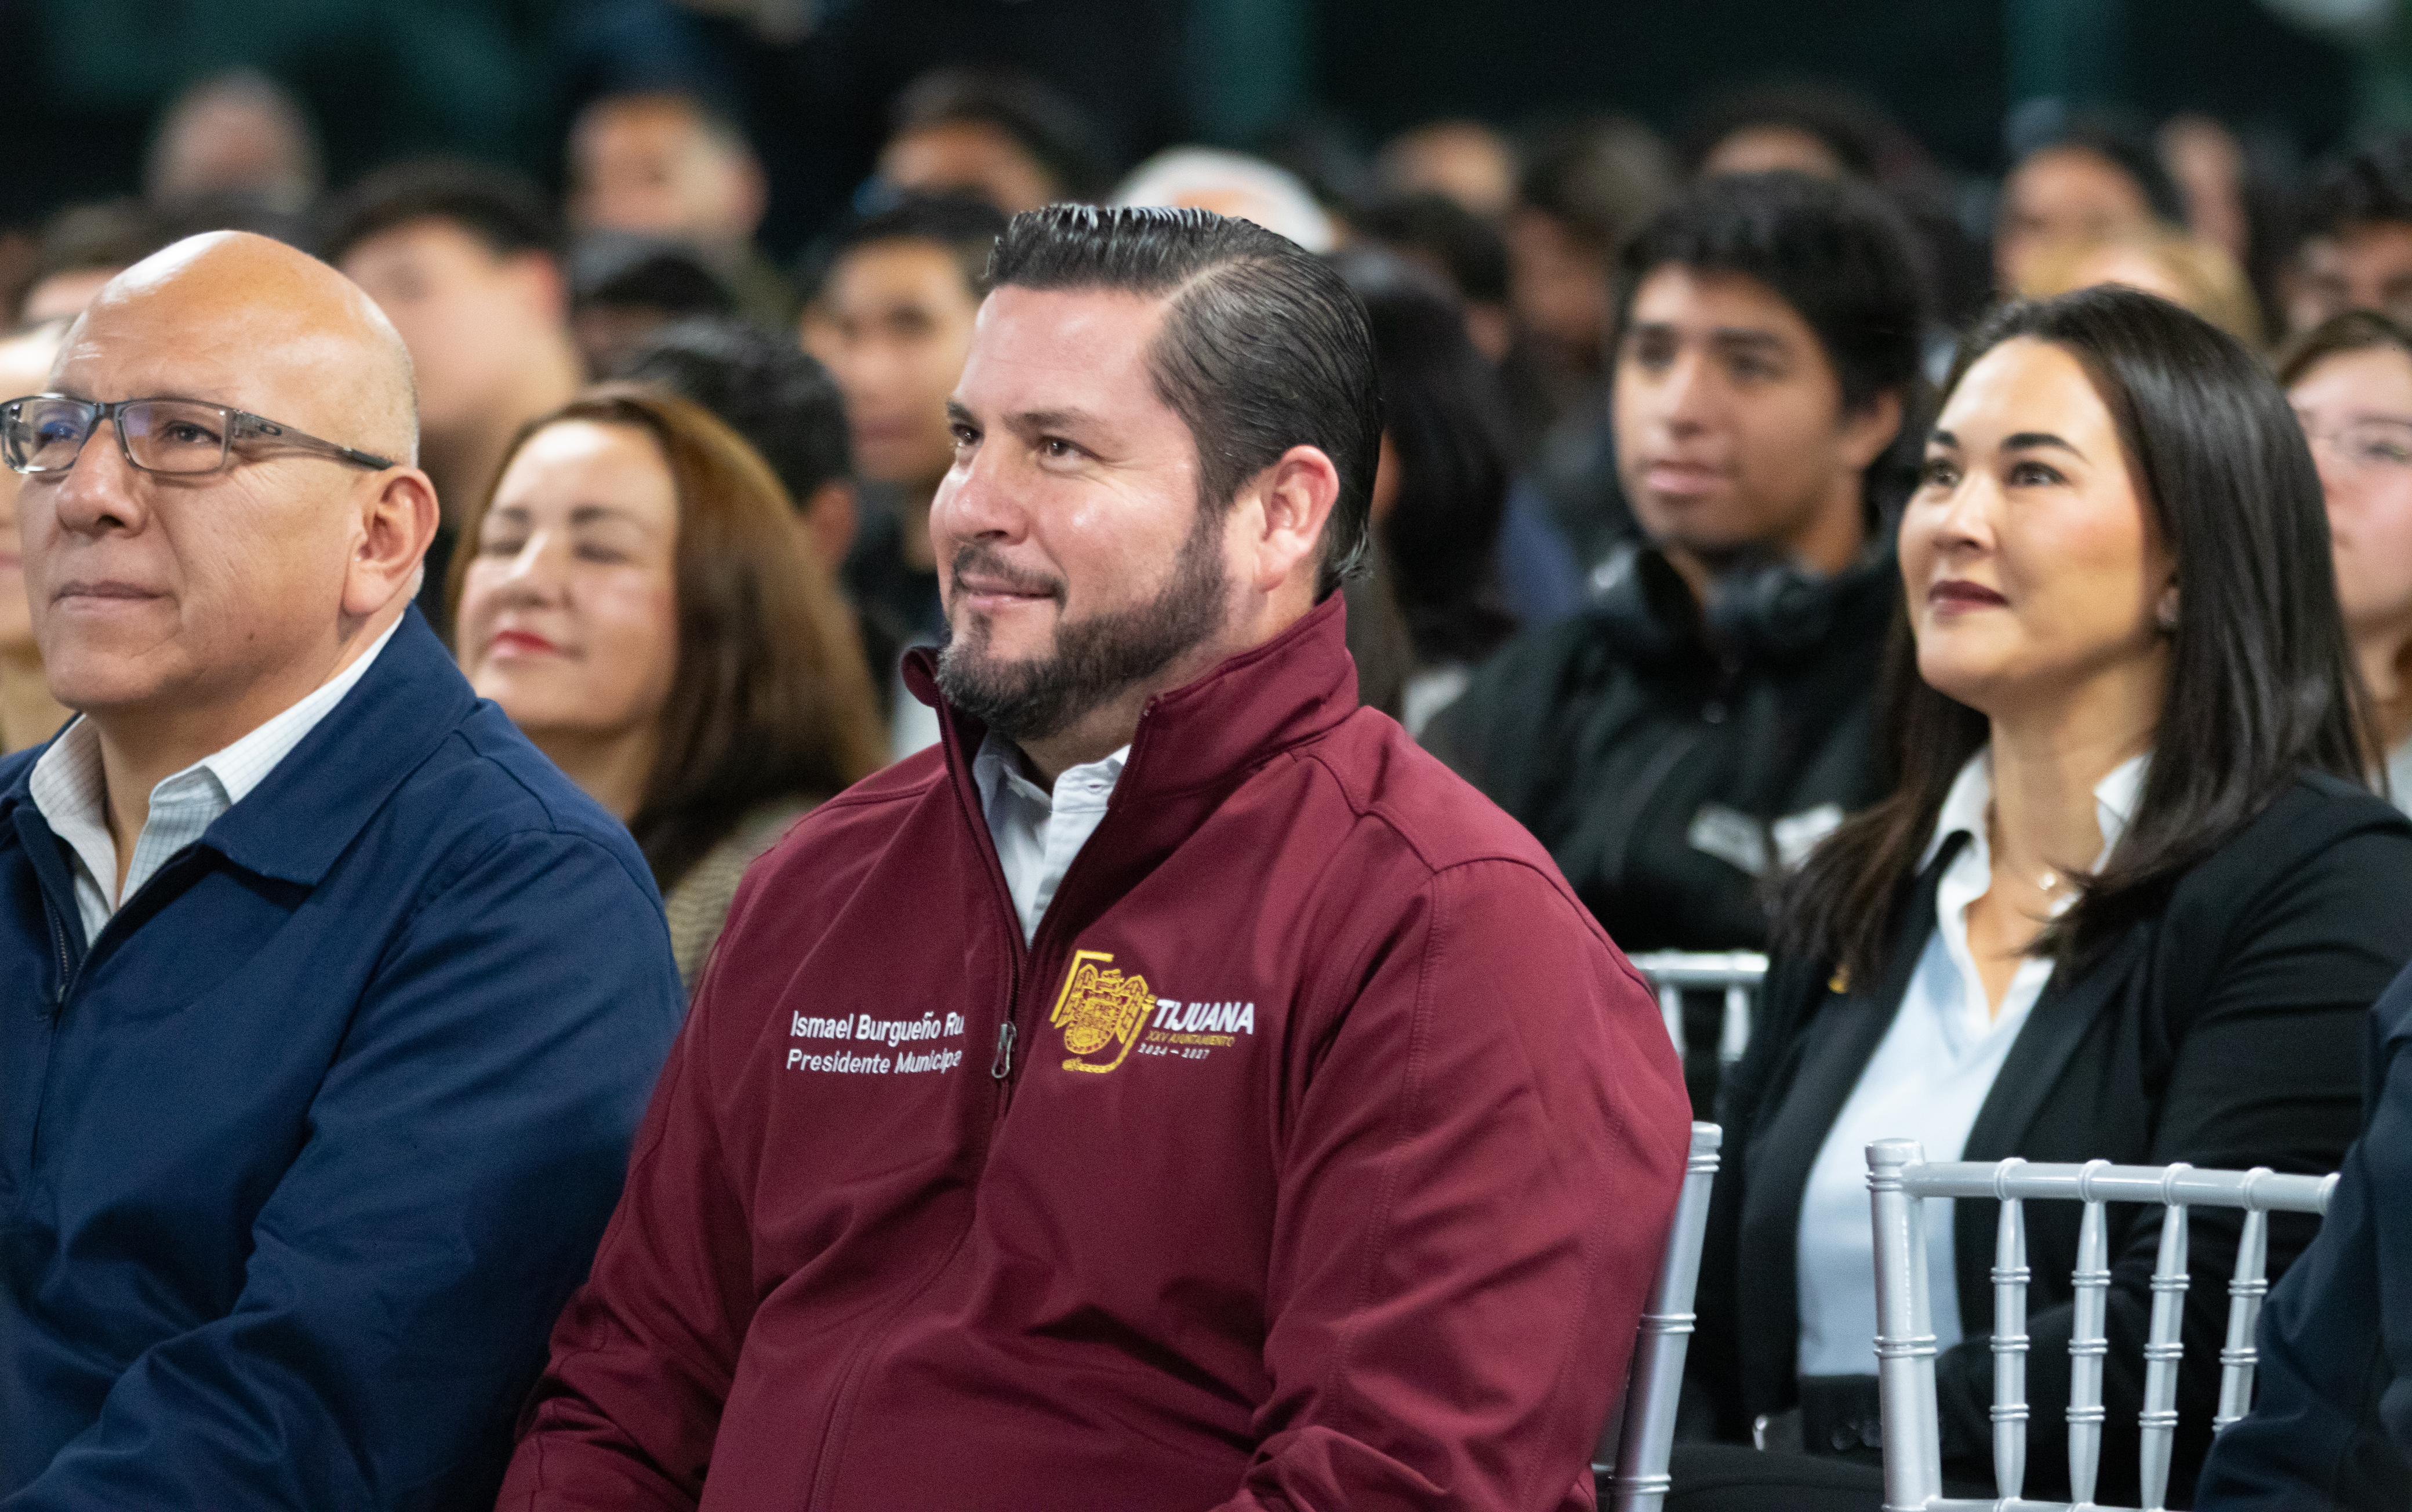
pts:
[2367, 443]
[183, 437]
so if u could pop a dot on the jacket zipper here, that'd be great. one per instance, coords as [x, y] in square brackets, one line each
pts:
[1000, 1071]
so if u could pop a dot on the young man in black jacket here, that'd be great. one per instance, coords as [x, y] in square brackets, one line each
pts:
[1708, 718]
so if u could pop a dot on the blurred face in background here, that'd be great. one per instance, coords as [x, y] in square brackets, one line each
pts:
[2356, 411]
[892, 325]
[1731, 435]
[2059, 197]
[469, 315]
[1463, 161]
[1559, 288]
[569, 613]
[24, 369]
[970, 157]
[1773, 148]
[2366, 267]
[655, 165]
[2036, 575]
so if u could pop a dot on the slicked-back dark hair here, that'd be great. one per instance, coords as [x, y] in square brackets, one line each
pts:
[1838, 254]
[2262, 681]
[1263, 346]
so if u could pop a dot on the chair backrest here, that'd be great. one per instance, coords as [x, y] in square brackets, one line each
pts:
[1634, 1448]
[1898, 1178]
[1738, 973]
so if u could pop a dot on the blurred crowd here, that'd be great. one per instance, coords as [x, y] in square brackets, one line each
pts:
[1514, 496]
[1655, 409]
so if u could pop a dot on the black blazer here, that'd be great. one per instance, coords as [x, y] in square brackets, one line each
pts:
[2334, 1424]
[2225, 1030]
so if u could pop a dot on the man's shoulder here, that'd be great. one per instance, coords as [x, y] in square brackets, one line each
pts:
[1438, 819]
[485, 783]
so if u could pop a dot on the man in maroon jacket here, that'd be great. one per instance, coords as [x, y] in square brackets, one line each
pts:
[1178, 1092]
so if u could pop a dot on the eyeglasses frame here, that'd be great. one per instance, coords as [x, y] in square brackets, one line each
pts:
[239, 423]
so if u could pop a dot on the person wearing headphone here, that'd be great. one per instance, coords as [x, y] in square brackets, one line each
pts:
[1682, 742]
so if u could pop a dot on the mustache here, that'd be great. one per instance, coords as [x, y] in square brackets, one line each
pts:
[984, 559]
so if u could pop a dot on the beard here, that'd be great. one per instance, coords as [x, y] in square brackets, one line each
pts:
[1096, 659]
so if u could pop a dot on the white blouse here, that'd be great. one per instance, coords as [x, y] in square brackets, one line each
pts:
[1927, 1080]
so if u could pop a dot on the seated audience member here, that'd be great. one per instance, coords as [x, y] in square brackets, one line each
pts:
[1468, 163]
[1055, 1080]
[624, 288]
[82, 247]
[2089, 181]
[773, 392]
[2130, 851]
[1586, 188]
[2186, 271]
[995, 135]
[28, 714]
[1236, 185]
[335, 1005]
[467, 263]
[238, 135]
[2355, 228]
[2327, 1431]
[891, 318]
[1455, 244]
[665, 164]
[1832, 133]
[636, 598]
[1440, 493]
[1708, 718]
[2350, 381]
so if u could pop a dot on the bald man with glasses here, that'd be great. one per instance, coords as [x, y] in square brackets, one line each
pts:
[328, 1008]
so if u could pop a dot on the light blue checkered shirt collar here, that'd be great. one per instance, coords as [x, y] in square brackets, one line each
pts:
[67, 787]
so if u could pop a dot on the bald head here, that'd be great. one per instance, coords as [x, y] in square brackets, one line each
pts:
[179, 611]
[247, 321]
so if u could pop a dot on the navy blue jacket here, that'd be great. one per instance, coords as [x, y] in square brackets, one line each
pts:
[2332, 1427]
[304, 1153]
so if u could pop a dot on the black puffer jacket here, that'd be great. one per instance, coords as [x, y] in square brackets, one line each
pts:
[1671, 757]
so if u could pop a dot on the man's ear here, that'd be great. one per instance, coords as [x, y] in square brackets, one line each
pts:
[398, 519]
[829, 522]
[1293, 500]
[1870, 429]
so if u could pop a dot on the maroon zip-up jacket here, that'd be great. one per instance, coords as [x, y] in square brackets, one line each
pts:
[1317, 1154]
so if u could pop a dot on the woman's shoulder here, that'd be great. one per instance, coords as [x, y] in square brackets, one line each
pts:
[2303, 829]
[698, 906]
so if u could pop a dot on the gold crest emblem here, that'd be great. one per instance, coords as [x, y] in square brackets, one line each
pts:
[1098, 1009]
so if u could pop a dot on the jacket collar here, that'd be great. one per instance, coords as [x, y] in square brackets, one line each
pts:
[307, 810]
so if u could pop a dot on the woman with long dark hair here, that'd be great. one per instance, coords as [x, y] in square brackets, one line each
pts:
[637, 595]
[2129, 897]
[1440, 494]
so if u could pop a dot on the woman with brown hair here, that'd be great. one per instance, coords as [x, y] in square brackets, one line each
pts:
[636, 596]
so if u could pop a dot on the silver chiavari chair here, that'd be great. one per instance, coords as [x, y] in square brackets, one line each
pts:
[1646, 1422]
[1737, 972]
[1898, 1178]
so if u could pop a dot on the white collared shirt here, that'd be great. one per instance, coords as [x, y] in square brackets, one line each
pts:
[1038, 832]
[1926, 1081]
[68, 789]
[2399, 777]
